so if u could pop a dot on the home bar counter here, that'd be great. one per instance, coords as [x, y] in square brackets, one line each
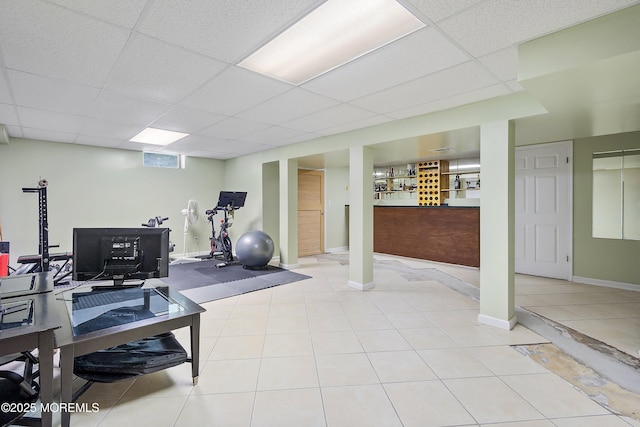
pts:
[443, 234]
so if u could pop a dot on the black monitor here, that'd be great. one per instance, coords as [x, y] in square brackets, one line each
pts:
[232, 199]
[120, 254]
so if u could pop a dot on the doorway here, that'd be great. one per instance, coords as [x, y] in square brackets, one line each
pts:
[543, 208]
[310, 212]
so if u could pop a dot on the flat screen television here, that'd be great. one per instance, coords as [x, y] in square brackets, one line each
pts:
[120, 254]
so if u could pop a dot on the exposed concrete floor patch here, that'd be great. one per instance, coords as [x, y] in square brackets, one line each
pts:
[605, 392]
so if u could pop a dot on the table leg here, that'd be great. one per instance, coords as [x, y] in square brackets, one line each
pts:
[66, 381]
[45, 360]
[195, 347]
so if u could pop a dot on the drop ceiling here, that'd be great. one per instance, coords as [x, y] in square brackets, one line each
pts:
[98, 72]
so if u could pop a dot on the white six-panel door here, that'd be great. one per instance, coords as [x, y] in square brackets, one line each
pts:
[543, 210]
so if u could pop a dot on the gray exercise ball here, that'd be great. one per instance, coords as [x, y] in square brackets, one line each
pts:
[254, 249]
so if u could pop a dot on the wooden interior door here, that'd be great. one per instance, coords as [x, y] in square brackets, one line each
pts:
[310, 212]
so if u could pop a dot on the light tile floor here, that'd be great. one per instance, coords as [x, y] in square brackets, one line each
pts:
[407, 353]
[607, 314]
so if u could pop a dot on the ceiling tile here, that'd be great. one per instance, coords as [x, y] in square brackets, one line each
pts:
[436, 10]
[211, 155]
[202, 143]
[47, 135]
[104, 128]
[233, 91]
[120, 12]
[199, 142]
[14, 131]
[188, 120]
[288, 106]
[496, 24]
[115, 67]
[49, 120]
[453, 101]
[421, 53]
[124, 109]
[8, 115]
[151, 69]
[453, 81]
[222, 29]
[5, 95]
[503, 63]
[241, 148]
[300, 137]
[233, 127]
[42, 38]
[274, 135]
[138, 146]
[332, 117]
[98, 140]
[45, 93]
[358, 124]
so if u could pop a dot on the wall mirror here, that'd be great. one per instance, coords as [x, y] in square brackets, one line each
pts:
[616, 194]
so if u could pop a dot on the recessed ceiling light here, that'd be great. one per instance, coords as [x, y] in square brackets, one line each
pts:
[335, 33]
[158, 136]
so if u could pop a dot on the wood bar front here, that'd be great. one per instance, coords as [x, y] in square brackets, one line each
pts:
[443, 234]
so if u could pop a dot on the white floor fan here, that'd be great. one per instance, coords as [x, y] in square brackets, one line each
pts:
[191, 215]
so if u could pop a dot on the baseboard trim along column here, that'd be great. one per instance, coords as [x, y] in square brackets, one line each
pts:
[288, 266]
[507, 325]
[361, 286]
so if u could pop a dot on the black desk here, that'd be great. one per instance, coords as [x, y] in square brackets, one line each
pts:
[72, 345]
[39, 333]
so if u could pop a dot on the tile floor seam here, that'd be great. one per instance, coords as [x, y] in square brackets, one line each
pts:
[444, 384]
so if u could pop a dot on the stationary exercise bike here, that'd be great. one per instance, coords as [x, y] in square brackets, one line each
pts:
[221, 243]
[228, 203]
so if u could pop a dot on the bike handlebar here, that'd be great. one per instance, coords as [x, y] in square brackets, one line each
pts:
[155, 221]
[221, 208]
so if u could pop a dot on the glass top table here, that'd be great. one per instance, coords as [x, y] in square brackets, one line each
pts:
[93, 310]
[96, 319]
[15, 314]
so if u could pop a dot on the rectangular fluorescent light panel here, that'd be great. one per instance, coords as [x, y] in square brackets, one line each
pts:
[335, 33]
[158, 136]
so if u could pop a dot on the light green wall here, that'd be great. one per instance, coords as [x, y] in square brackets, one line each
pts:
[336, 215]
[271, 202]
[92, 186]
[246, 174]
[601, 259]
[99, 187]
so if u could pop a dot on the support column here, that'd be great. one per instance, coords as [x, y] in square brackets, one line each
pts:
[288, 214]
[497, 222]
[361, 218]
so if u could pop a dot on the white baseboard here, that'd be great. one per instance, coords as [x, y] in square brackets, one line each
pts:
[606, 283]
[339, 249]
[289, 266]
[181, 257]
[507, 325]
[361, 286]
